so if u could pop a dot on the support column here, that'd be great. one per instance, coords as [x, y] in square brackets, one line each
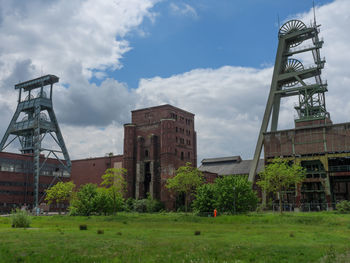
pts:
[140, 175]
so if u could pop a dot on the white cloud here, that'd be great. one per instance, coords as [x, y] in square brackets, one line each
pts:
[74, 40]
[77, 39]
[183, 9]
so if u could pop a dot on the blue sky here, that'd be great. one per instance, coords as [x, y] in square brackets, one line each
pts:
[212, 58]
[225, 32]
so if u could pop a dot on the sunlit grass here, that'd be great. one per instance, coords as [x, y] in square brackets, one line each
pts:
[170, 237]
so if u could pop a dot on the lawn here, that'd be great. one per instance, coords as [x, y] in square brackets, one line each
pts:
[170, 237]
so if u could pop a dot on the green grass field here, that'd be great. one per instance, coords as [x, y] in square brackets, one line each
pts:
[170, 237]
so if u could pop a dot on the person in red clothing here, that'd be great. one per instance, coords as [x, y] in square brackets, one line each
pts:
[215, 212]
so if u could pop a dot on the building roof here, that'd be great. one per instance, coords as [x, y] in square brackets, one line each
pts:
[233, 165]
[163, 106]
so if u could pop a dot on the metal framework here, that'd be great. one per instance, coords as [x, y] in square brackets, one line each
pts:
[289, 79]
[32, 129]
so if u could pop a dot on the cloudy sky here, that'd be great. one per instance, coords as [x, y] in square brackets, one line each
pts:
[210, 57]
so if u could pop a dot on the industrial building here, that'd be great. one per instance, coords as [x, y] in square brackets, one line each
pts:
[156, 142]
[320, 146]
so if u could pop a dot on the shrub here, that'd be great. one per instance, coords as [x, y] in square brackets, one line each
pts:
[20, 219]
[129, 204]
[140, 206]
[83, 203]
[230, 194]
[205, 201]
[153, 205]
[343, 207]
[235, 195]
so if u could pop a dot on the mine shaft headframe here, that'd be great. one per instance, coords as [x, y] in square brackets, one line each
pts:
[35, 126]
[288, 80]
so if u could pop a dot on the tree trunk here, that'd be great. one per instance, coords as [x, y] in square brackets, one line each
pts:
[186, 202]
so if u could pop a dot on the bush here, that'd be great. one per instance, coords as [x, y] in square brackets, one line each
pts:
[153, 205]
[343, 207]
[205, 201]
[140, 206]
[235, 195]
[83, 203]
[229, 194]
[20, 219]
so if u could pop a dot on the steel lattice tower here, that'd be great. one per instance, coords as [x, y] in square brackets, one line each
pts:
[35, 125]
[289, 78]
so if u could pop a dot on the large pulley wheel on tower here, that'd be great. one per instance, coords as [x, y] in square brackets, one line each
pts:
[292, 65]
[290, 27]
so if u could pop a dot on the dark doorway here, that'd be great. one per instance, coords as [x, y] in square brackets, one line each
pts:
[148, 177]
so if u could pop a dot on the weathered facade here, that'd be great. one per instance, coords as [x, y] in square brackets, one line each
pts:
[323, 149]
[17, 180]
[157, 141]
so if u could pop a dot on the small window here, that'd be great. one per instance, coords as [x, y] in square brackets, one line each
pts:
[146, 153]
[182, 155]
[188, 155]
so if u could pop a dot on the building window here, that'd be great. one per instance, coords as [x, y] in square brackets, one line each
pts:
[176, 139]
[188, 155]
[146, 153]
[182, 155]
[176, 129]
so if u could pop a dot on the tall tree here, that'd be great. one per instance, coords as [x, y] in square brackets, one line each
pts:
[186, 180]
[114, 181]
[279, 175]
[59, 193]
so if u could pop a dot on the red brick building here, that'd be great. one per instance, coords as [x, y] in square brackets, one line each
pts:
[156, 142]
[17, 182]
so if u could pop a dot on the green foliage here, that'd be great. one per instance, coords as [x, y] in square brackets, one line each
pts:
[102, 202]
[343, 207]
[278, 176]
[20, 219]
[59, 192]
[83, 202]
[229, 194]
[114, 181]
[147, 205]
[206, 198]
[186, 180]
[235, 194]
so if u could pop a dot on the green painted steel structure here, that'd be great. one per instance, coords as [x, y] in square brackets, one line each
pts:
[292, 78]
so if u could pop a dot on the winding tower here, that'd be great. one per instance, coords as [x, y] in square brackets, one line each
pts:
[32, 122]
[292, 78]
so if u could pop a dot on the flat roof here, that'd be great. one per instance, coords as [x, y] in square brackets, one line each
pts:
[38, 82]
[162, 106]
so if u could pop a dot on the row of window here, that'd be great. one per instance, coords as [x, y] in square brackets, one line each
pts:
[49, 170]
[182, 141]
[183, 155]
[182, 130]
[181, 119]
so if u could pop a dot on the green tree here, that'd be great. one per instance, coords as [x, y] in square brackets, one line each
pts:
[279, 176]
[229, 194]
[235, 194]
[84, 202]
[59, 193]
[114, 181]
[186, 180]
[102, 201]
[205, 199]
